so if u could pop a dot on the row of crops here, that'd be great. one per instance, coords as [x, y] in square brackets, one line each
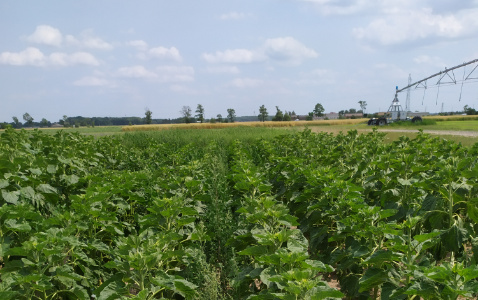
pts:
[220, 215]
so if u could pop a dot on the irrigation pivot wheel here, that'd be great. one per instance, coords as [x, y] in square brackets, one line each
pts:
[417, 119]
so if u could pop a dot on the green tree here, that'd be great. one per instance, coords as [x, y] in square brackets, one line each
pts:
[310, 116]
[17, 122]
[319, 110]
[287, 116]
[363, 105]
[469, 111]
[64, 121]
[219, 118]
[262, 113]
[148, 114]
[279, 115]
[200, 113]
[231, 115]
[186, 113]
[44, 122]
[28, 119]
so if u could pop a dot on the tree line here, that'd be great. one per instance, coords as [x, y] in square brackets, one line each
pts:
[317, 112]
[187, 116]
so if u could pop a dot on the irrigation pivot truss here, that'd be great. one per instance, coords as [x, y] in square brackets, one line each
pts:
[396, 113]
[448, 74]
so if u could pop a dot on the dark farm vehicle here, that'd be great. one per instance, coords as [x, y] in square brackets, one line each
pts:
[395, 113]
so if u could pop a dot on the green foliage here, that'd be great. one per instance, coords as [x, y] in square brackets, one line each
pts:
[319, 110]
[16, 122]
[200, 113]
[286, 117]
[186, 112]
[469, 110]
[148, 116]
[262, 113]
[363, 105]
[231, 115]
[236, 214]
[28, 119]
[279, 115]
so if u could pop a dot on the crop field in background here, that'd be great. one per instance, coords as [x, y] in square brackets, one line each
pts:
[95, 131]
[447, 124]
[241, 124]
[237, 213]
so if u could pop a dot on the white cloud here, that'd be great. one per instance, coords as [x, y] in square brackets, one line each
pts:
[415, 25]
[88, 40]
[246, 82]
[45, 34]
[223, 69]
[385, 7]
[138, 44]
[284, 49]
[175, 73]
[160, 52]
[77, 58]
[94, 81]
[165, 53]
[406, 21]
[160, 74]
[48, 35]
[136, 72]
[83, 58]
[236, 56]
[287, 49]
[34, 57]
[234, 16]
[28, 57]
[71, 40]
[344, 7]
[93, 42]
[419, 22]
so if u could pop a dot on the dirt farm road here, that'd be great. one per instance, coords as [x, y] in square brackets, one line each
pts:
[440, 132]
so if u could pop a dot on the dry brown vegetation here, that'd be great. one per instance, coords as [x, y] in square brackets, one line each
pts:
[244, 124]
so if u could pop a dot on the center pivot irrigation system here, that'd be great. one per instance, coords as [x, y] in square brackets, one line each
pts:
[396, 113]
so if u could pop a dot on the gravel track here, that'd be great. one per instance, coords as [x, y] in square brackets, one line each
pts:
[440, 132]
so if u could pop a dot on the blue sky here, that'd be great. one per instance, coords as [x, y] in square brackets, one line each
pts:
[116, 58]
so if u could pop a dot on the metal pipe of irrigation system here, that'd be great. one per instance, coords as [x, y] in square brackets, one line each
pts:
[434, 75]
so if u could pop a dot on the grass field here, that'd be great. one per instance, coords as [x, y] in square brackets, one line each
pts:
[448, 123]
[95, 131]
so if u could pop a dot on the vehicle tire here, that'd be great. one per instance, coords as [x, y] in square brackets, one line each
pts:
[371, 122]
[382, 121]
[417, 119]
